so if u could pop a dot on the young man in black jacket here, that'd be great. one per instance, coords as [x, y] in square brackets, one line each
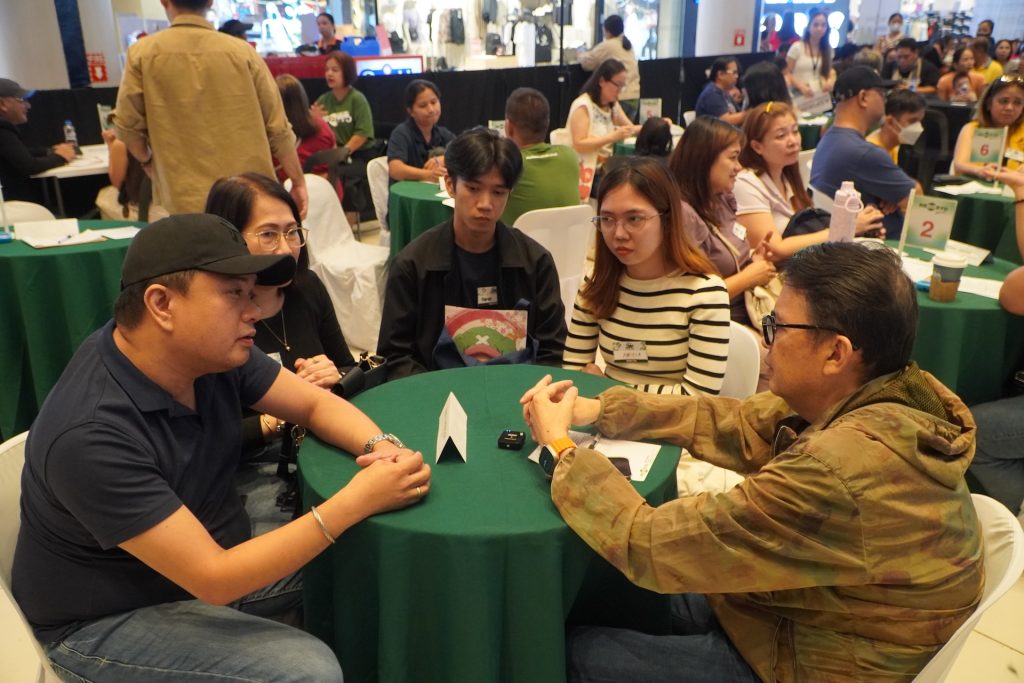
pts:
[19, 162]
[473, 261]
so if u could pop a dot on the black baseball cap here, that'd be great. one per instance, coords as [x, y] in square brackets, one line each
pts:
[234, 27]
[199, 241]
[857, 78]
[9, 88]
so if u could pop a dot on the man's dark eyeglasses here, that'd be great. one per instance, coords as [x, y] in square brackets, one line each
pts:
[769, 324]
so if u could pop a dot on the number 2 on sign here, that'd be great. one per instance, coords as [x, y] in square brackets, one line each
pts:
[926, 229]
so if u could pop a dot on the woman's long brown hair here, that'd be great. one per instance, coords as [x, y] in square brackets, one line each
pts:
[649, 178]
[691, 162]
[760, 119]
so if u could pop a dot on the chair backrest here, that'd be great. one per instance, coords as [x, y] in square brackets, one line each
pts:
[377, 174]
[821, 200]
[566, 232]
[744, 365]
[561, 136]
[23, 658]
[24, 212]
[325, 219]
[804, 164]
[1004, 563]
[689, 116]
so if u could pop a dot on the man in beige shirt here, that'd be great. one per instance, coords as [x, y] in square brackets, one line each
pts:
[196, 105]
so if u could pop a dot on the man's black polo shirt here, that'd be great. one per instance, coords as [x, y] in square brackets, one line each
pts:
[111, 455]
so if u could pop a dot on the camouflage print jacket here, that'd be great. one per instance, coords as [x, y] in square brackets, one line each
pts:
[850, 552]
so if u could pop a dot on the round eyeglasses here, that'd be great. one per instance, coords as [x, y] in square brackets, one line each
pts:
[631, 222]
[269, 239]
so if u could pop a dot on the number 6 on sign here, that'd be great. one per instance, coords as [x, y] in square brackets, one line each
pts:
[928, 222]
[987, 145]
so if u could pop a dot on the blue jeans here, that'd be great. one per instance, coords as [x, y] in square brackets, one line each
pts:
[194, 641]
[698, 650]
[999, 461]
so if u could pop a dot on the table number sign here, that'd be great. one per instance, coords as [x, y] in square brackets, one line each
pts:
[649, 106]
[928, 222]
[451, 431]
[987, 146]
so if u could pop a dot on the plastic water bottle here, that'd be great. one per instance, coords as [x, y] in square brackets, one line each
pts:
[847, 205]
[71, 137]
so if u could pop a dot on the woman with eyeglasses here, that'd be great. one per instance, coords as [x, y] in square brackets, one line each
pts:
[809, 61]
[1001, 106]
[298, 326]
[653, 306]
[596, 119]
[769, 190]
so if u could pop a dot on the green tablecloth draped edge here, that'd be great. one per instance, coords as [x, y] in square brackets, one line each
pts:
[53, 299]
[476, 583]
[413, 208]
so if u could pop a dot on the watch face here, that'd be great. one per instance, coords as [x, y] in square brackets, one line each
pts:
[547, 461]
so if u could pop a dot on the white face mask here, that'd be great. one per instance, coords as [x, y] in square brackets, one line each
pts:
[895, 27]
[909, 134]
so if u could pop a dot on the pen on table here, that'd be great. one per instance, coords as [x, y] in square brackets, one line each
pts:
[62, 240]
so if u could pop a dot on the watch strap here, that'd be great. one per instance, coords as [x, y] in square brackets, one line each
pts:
[374, 440]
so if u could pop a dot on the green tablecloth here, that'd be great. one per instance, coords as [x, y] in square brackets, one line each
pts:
[987, 221]
[971, 344]
[477, 581]
[810, 135]
[413, 208]
[52, 300]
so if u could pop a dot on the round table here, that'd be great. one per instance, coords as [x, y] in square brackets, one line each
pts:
[414, 208]
[53, 299]
[987, 221]
[476, 582]
[810, 135]
[971, 344]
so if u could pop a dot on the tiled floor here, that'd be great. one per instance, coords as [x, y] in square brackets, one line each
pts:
[994, 652]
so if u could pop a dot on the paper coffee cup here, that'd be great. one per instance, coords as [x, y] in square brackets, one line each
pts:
[947, 269]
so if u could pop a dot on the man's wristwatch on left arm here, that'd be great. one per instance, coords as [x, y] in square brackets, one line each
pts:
[552, 451]
[374, 440]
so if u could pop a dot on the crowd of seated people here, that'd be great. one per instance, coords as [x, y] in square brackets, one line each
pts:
[685, 234]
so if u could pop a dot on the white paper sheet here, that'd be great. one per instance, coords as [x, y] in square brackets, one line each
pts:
[55, 233]
[640, 455]
[974, 255]
[916, 269]
[974, 187]
[981, 286]
[125, 233]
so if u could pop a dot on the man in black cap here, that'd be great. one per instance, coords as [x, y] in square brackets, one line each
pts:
[844, 154]
[128, 503]
[236, 28]
[19, 162]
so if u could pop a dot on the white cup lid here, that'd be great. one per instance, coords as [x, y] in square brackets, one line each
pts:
[949, 260]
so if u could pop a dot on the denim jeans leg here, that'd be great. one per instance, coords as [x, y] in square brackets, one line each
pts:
[698, 651]
[191, 641]
[999, 460]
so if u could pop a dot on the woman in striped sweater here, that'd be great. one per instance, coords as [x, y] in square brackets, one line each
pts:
[652, 306]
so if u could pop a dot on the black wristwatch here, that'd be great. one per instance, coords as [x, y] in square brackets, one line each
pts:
[551, 452]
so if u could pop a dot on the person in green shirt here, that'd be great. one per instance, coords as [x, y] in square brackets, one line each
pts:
[550, 172]
[348, 113]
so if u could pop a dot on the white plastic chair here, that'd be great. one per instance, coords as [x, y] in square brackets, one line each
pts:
[689, 117]
[744, 365]
[561, 136]
[804, 164]
[377, 176]
[1004, 563]
[821, 200]
[566, 232]
[22, 656]
[25, 212]
[353, 273]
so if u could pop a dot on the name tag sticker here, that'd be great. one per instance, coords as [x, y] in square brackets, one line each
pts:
[486, 296]
[276, 357]
[630, 351]
[1015, 154]
[739, 231]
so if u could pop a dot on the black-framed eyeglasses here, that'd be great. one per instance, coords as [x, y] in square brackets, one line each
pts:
[769, 325]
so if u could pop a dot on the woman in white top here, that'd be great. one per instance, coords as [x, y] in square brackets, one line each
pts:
[617, 46]
[596, 120]
[653, 305]
[769, 189]
[809, 61]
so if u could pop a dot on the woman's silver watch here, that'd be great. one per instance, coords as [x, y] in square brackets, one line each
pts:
[374, 440]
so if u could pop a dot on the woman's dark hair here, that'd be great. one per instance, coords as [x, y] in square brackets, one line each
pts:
[234, 197]
[691, 162]
[615, 27]
[984, 113]
[895, 15]
[959, 52]
[476, 151]
[296, 106]
[824, 48]
[346, 64]
[755, 127]
[862, 291]
[654, 138]
[763, 82]
[651, 179]
[609, 69]
[413, 90]
[330, 17]
[1000, 42]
